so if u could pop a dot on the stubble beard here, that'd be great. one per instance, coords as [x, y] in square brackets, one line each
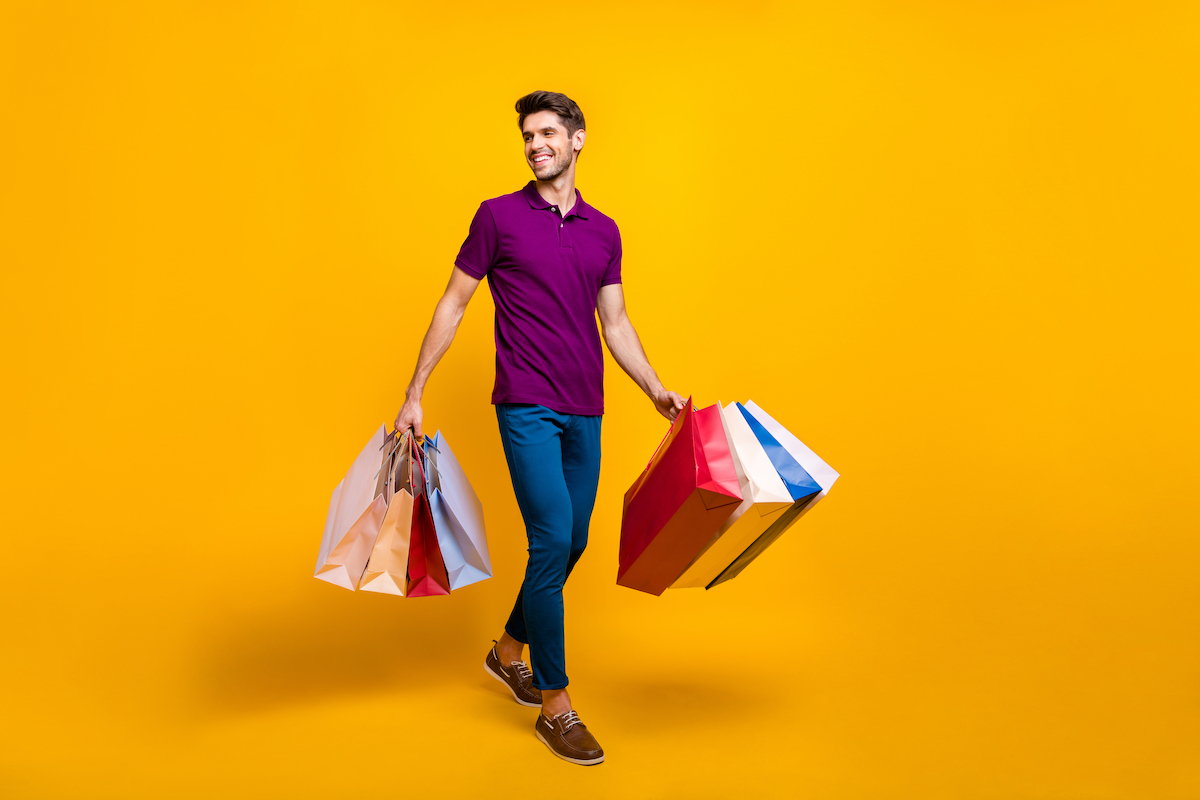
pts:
[558, 165]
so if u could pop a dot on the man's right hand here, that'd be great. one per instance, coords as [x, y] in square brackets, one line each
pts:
[410, 416]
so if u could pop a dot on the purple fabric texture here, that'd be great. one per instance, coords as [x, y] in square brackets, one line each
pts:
[544, 272]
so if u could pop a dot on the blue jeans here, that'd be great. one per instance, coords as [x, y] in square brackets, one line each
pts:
[554, 461]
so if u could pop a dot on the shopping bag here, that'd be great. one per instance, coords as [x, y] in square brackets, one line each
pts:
[796, 462]
[387, 570]
[687, 491]
[765, 499]
[822, 473]
[457, 516]
[426, 568]
[355, 514]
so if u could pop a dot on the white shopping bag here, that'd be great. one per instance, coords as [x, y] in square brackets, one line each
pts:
[820, 472]
[457, 516]
[765, 498]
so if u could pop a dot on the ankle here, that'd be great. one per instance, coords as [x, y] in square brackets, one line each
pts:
[509, 650]
[555, 702]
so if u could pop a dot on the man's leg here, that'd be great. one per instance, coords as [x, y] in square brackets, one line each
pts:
[581, 470]
[532, 438]
[541, 447]
[580, 445]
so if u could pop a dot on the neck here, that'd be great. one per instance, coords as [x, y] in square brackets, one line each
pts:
[559, 191]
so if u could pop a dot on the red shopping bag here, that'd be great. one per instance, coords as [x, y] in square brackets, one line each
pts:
[426, 567]
[688, 490]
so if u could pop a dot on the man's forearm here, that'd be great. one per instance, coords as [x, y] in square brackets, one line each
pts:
[627, 350]
[446, 318]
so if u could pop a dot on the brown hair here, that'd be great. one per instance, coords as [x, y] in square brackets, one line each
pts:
[566, 109]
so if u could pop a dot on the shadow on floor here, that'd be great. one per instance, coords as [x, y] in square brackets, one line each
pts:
[334, 646]
[685, 701]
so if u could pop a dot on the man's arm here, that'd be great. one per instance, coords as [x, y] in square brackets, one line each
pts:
[446, 317]
[626, 347]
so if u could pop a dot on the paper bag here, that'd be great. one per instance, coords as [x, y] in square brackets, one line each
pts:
[387, 570]
[355, 514]
[688, 490]
[765, 499]
[426, 567]
[457, 516]
[795, 462]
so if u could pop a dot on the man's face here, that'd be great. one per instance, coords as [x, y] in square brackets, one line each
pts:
[548, 149]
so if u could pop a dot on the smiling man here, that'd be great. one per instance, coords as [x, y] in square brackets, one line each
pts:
[552, 262]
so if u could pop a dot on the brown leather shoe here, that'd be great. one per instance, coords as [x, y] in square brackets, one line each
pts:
[568, 738]
[518, 678]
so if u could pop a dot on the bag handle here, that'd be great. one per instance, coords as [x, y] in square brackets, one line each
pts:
[678, 417]
[416, 455]
[418, 458]
[396, 458]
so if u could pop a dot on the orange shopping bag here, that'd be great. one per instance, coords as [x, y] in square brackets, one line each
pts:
[387, 571]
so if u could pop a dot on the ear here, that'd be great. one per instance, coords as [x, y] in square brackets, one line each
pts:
[578, 139]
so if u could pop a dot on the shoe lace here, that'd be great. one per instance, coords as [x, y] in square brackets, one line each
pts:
[523, 670]
[569, 720]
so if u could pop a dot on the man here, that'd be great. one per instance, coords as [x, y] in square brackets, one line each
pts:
[552, 261]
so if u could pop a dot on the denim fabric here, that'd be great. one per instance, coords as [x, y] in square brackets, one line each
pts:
[554, 461]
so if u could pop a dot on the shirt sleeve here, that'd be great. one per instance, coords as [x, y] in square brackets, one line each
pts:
[477, 255]
[613, 273]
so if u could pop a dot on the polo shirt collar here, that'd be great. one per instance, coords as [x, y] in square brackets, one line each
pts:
[581, 208]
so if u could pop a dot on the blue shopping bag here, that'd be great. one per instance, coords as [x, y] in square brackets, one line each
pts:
[802, 487]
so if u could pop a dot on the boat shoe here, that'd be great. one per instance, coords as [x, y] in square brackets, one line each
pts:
[517, 677]
[568, 738]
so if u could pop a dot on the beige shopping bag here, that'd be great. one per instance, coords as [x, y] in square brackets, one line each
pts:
[387, 570]
[356, 512]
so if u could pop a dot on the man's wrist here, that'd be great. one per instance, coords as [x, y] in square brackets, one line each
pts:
[654, 386]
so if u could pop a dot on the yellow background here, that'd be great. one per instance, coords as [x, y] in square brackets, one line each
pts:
[952, 246]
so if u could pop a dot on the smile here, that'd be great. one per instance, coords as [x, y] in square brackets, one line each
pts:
[541, 159]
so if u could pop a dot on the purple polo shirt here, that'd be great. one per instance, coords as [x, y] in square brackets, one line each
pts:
[545, 271]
